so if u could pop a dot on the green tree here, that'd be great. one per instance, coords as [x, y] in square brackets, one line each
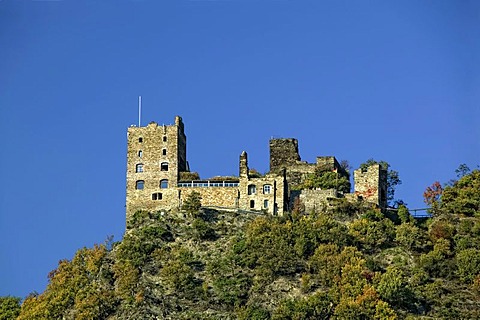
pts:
[462, 170]
[203, 230]
[372, 231]
[464, 196]
[193, 203]
[317, 306]
[409, 236]
[468, 264]
[9, 308]
[393, 286]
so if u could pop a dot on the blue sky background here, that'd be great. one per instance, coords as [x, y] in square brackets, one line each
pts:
[391, 80]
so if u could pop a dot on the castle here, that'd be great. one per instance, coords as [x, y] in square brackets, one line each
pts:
[159, 177]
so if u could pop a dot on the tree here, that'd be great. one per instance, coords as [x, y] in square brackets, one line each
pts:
[468, 264]
[432, 196]
[464, 196]
[326, 179]
[462, 170]
[192, 203]
[9, 308]
[410, 236]
[393, 178]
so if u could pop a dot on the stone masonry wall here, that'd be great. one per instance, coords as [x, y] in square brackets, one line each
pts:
[314, 200]
[283, 152]
[160, 151]
[214, 196]
[370, 184]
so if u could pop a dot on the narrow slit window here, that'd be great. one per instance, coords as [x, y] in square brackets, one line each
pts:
[140, 139]
[139, 168]
[140, 153]
[164, 152]
[139, 185]
[164, 166]
[164, 138]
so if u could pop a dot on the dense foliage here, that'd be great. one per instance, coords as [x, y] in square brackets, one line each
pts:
[349, 262]
[326, 179]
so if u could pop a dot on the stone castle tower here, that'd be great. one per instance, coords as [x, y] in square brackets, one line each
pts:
[371, 184]
[155, 157]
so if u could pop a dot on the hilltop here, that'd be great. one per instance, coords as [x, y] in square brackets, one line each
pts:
[347, 261]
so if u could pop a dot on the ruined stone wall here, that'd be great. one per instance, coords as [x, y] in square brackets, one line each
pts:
[371, 185]
[283, 153]
[327, 163]
[297, 172]
[314, 200]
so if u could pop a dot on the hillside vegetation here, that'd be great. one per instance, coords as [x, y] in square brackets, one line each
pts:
[346, 262]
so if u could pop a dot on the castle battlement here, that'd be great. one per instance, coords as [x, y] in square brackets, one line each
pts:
[159, 178]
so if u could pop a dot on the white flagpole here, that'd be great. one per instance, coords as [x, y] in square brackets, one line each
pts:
[139, 110]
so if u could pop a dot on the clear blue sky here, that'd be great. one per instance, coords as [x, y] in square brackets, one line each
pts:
[391, 80]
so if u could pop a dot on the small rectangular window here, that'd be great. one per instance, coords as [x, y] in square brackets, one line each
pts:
[252, 189]
[164, 166]
[265, 204]
[252, 204]
[164, 138]
[139, 168]
[163, 184]
[267, 189]
[140, 139]
[164, 152]
[156, 196]
[139, 184]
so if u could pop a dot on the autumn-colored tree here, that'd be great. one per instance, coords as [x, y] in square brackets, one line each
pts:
[432, 196]
[79, 289]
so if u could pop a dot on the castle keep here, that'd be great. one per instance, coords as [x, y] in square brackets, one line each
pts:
[159, 177]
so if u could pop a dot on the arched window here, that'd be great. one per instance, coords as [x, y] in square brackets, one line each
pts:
[139, 168]
[164, 183]
[139, 184]
[164, 166]
[252, 189]
[267, 188]
[140, 153]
